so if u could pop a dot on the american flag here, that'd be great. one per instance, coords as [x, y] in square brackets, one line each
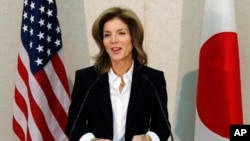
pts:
[41, 98]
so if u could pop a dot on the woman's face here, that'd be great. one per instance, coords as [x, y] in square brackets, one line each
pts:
[117, 40]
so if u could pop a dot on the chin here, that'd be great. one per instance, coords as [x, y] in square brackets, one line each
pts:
[117, 58]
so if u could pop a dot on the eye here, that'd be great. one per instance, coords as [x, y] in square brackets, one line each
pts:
[106, 35]
[122, 33]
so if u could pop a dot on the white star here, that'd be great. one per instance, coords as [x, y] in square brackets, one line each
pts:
[57, 42]
[32, 5]
[25, 15]
[32, 18]
[41, 22]
[48, 39]
[49, 26]
[25, 2]
[58, 29]
[42, 9]
[31, 31]
[40, 48]
[48, 52]
[40, 35]
[49, 12]
[39, 61]
[31, 44]
[25, 28]
[50, 1]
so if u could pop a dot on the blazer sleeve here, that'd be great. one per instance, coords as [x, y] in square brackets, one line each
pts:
[158, 124]
[78, 94]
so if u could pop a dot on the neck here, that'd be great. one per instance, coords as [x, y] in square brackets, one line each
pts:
[121, 67]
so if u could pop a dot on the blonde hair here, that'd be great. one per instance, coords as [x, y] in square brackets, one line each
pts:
[102, 59]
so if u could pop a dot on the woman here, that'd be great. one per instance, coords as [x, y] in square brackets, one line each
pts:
[118, 94]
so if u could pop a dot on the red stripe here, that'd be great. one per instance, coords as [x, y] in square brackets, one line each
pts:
[219, 90]
[18, 130]
[28, 135]
[54, 103]
[60, 70]
[35, 110]
[20, 102]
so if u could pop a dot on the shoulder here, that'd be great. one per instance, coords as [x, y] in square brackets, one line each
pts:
[86, 76]
[88, 72]
[154, 75]
[151, 71]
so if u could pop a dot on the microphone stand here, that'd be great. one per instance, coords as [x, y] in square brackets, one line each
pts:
[82, 105]
[159, 101]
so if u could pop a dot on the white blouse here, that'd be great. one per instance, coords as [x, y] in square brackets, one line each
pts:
[119, 102]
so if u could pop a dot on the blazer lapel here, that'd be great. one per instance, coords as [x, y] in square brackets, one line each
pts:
[105, 101]
[134, 101]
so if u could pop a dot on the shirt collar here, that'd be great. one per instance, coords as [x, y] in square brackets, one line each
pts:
[127, 77]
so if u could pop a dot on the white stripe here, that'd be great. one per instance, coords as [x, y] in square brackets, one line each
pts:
[57, 86]
[42, 102]
[219, 16]
[202, 133]
[34, 131]
[18, 114]
[20, 118]
[21, 87]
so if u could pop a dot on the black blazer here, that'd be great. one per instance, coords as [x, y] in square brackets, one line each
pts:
[143, 112]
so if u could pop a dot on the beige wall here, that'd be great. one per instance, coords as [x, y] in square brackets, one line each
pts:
[172, 41]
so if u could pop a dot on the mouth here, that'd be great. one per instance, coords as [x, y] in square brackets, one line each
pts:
[116, 49]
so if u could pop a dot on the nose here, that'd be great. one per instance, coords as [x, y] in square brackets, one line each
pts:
[114, 39]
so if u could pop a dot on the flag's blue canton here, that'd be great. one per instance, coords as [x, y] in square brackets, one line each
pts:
[40, 34]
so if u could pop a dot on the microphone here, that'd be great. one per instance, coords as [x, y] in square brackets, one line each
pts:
[82, 105]
[161, 106]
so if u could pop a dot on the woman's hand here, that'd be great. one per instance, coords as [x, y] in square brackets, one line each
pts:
[141, 138]
[98, 139]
